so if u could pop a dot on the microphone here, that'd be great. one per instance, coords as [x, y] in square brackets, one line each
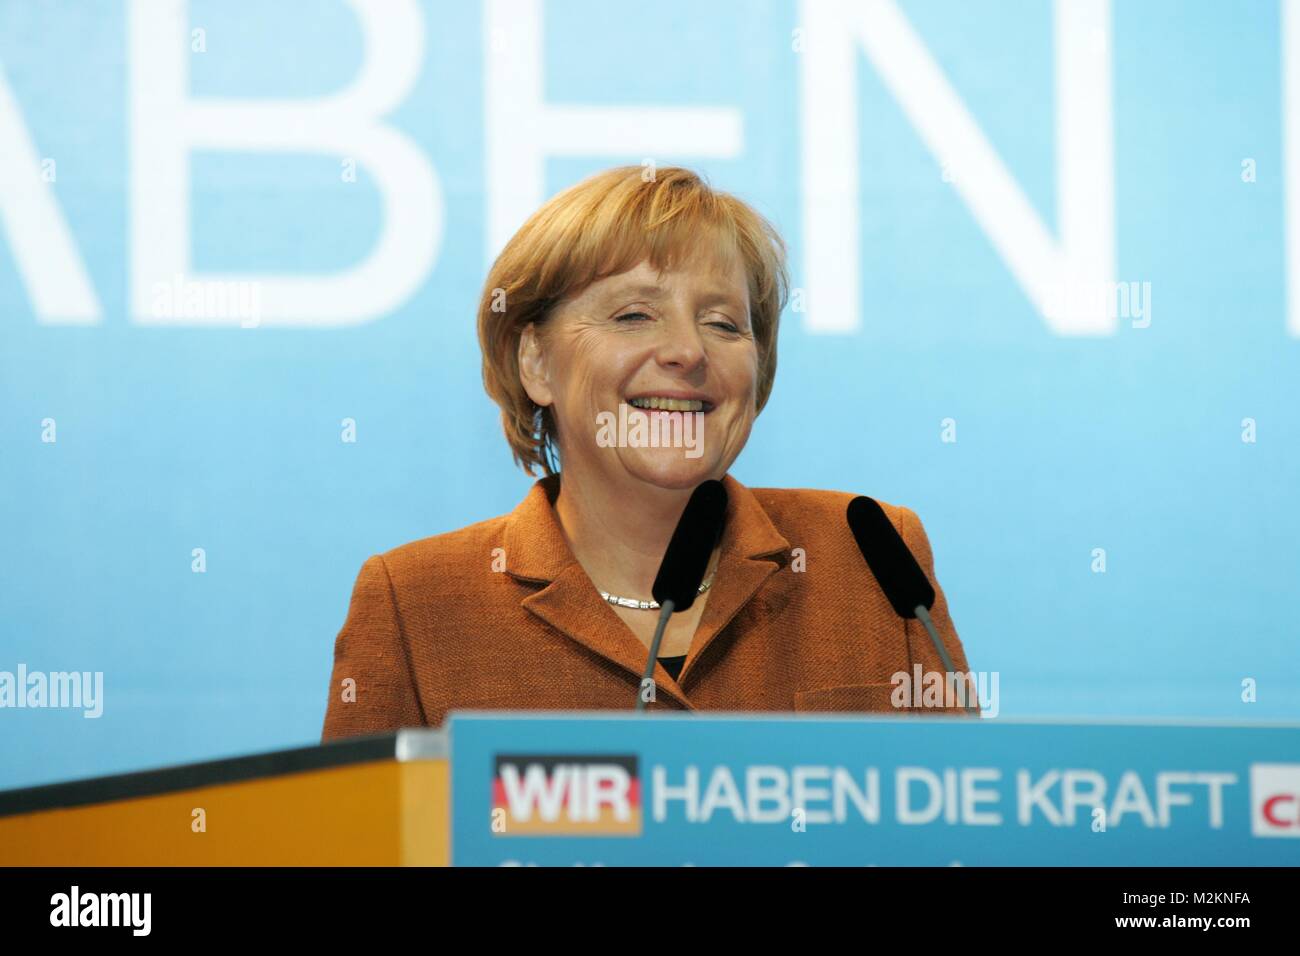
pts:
[895, 569]
[687, 558]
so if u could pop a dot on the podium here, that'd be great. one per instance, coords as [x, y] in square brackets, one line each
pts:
[366, 801]
[606, 789]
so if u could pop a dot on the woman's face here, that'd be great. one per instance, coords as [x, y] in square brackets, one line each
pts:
[680, 340]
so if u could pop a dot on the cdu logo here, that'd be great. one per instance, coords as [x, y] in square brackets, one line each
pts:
[1275, 799]
[581, 794]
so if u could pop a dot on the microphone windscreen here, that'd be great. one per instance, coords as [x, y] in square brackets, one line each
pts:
[692, 544]
[890, 560]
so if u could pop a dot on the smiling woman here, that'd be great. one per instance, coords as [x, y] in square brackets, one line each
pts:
[647, 298]
[622, 249]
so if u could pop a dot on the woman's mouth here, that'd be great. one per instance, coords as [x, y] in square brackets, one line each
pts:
[664, 404]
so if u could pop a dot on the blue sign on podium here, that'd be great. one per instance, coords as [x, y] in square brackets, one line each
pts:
[680, 789]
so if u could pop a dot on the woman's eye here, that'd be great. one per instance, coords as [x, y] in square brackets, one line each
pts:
[725, 326]
[631, 317]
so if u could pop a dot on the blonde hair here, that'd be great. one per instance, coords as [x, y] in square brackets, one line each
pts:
[600, 227]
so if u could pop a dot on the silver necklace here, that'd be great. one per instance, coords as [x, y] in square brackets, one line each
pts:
[636, 605]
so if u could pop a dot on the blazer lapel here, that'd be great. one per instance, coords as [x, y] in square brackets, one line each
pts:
[536, 551]
[572, 605]
[749, 541]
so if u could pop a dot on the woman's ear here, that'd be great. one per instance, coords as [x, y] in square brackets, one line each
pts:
[532, 367]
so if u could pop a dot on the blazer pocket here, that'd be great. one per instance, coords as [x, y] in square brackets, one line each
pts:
[847, 698]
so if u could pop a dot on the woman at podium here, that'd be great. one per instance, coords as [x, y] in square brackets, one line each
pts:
[629, 337]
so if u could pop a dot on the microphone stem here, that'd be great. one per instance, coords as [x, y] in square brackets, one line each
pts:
[665, 612]
[924, 615]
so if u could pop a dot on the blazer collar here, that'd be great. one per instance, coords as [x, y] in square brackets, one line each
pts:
[536, 551]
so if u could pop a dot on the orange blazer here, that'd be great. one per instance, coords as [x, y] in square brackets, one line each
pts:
[500, 616]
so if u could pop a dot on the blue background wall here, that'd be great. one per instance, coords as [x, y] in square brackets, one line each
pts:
[172, 438]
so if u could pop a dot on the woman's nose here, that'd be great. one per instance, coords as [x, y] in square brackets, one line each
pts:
[682, 345]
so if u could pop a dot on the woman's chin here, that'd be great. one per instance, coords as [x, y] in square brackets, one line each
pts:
[669, 467]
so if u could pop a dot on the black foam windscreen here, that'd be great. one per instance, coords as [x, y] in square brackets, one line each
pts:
[890, 560]
[692, 544]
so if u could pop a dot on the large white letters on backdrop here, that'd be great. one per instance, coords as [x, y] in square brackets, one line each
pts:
[1061, 275]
